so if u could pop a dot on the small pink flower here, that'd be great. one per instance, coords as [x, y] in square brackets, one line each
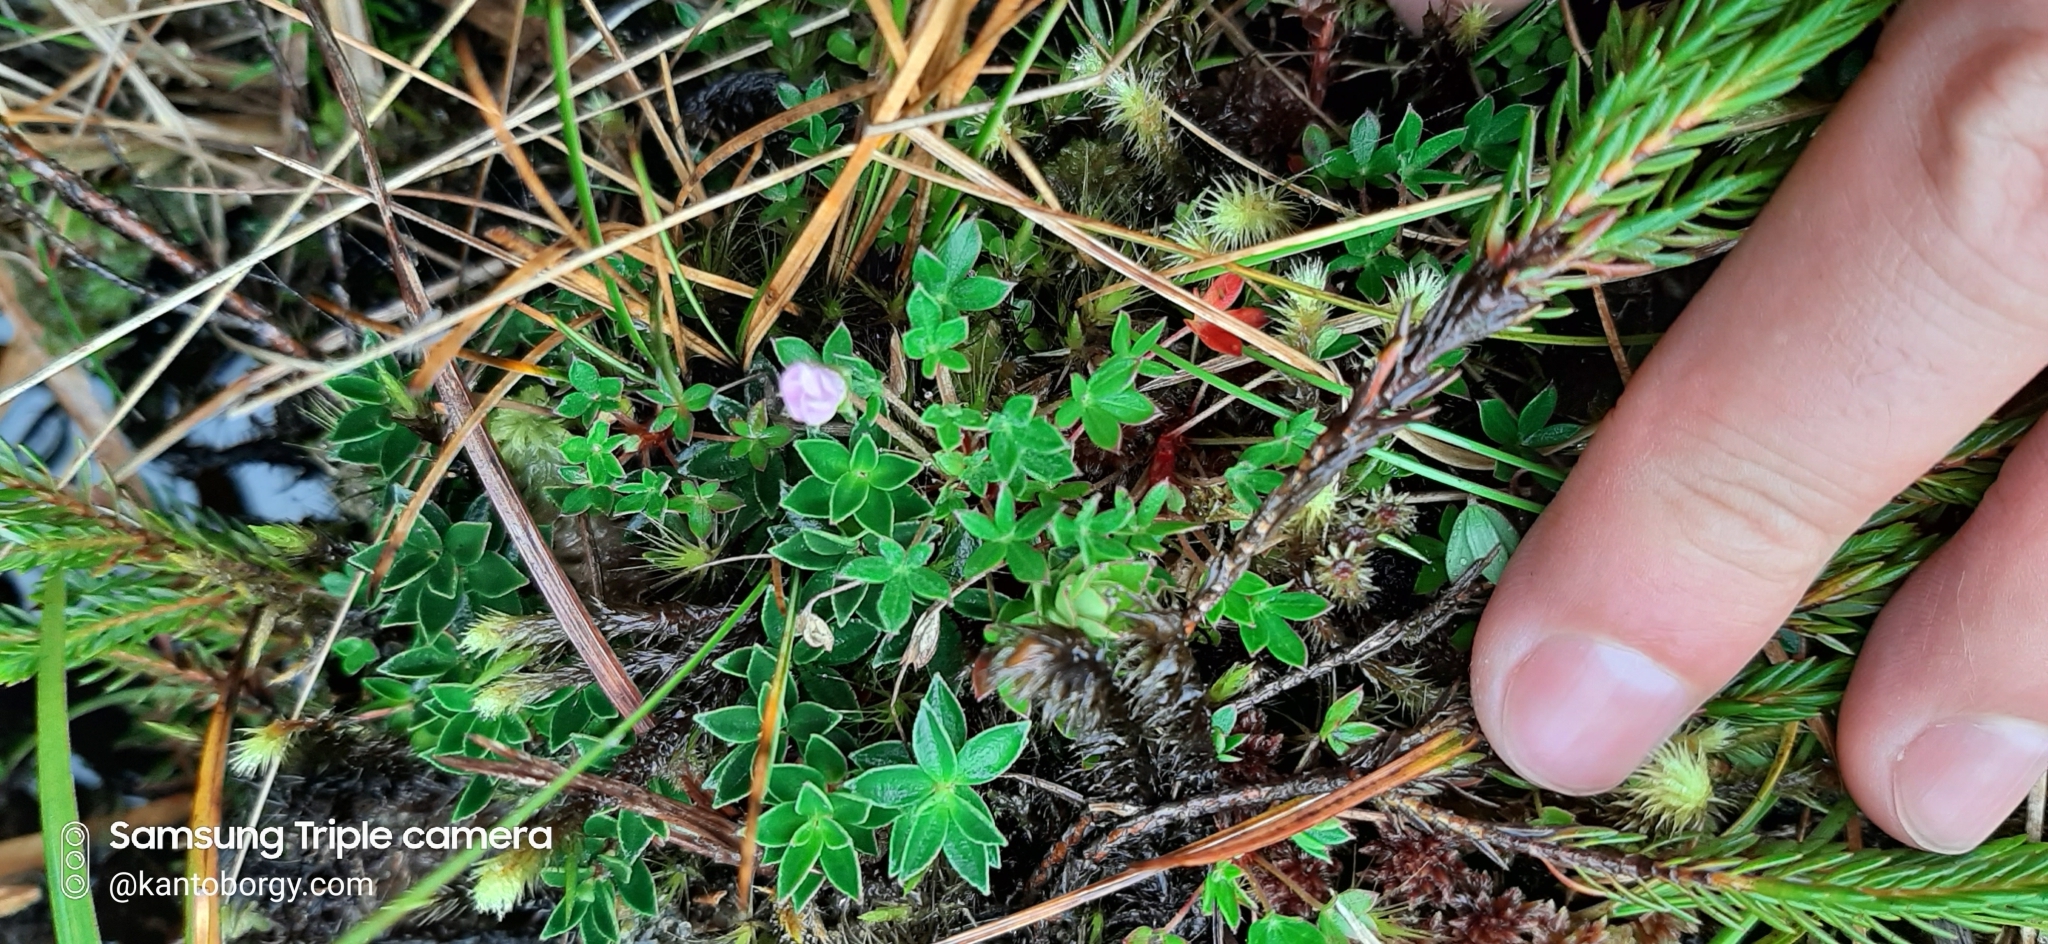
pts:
[811, 392]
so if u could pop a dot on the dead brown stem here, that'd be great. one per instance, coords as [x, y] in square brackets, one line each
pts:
[110, 213]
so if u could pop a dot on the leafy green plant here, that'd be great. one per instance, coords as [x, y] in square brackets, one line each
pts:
[944, 289]
[372, 430]
[1106, 401]
[1263, 614]
[862, 483]
[937, 809]
[1224, 894]
[1405, 158]
[1338, 730]
[442, 567]
[603, 870]
[1222, 722]
[1526, 432]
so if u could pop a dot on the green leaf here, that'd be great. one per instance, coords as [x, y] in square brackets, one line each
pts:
[991, 752]
[916, 838]
[1285, 644]
[971, 817]
[638, 890]
[896, 786]
[1365, 136]
[1536, 415]
[827, 458]
[1224, 894]
[492, 576]
[736, 724]
[464, 541]
[810, 498]
[841, 867]
[978, 294]
[945, 708]
[958, 252]
[1479, 531]
[354, 652]
[971, 859]
[1499, 422]
[1349, 918]
[1022, 444]
[932, 747]
[1282, 929]
[779, 824]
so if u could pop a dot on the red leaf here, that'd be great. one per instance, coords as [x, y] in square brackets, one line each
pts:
[1165, 454]
[1223, 290]
[1219, 338]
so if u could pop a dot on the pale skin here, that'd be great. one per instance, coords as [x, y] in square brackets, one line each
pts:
[1892, 295]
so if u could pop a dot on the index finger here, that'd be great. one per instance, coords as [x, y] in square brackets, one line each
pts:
[1891, 295]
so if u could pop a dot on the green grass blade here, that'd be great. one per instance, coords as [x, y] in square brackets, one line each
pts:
[64, 851]
[1498, 455]
[1460, 483]
[586, 202]
[986, 138]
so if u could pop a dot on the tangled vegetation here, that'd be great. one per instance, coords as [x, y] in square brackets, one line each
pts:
[902, 472]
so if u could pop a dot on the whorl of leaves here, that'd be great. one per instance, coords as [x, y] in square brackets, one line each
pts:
[1668, 81]
[1830, 893]
[136, 573]
[1781, 693]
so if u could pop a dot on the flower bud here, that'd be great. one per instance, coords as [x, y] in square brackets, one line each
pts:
[811, 392]
[924, 637]
[813, 630]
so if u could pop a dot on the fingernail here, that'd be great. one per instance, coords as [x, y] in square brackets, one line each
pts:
[1956, 781]
[1581, 713]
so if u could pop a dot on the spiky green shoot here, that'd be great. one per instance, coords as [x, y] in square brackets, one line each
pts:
[1241, 212]
[1469, 23]
[1304, 319]
[1135, 100]
[262, 747]
[1344, 573]
[1674, 791]
[501, 880]
[1416, 289]
[1385, 511]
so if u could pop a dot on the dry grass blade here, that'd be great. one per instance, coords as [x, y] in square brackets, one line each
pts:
[1101, 252]
[202, 908]
[705, 832]
[107, 212]
[765, 741]
[508, 146]
[1260, 831]
[282, 235]
[500, 296]
[937, 19]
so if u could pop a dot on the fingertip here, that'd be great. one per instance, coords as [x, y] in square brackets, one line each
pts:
[1957, 780]
[1577, 713]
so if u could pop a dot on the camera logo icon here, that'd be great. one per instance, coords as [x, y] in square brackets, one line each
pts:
[72, 881]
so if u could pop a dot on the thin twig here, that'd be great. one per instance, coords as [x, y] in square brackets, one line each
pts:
[1613, 334]
[1456, 599]
[705, 832]
[110, 213]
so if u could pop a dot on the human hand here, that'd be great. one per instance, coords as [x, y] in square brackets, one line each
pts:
[1893, 294]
